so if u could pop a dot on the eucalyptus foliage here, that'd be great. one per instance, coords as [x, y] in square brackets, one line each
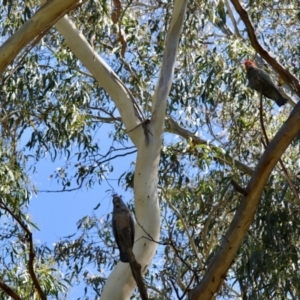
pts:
[52, 106]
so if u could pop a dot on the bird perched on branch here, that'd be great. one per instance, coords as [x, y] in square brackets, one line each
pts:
[261, 81]
[123, 227]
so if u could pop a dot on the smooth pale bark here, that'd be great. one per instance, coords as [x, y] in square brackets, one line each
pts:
[34, 28]
[103, 74]
[146, 171]
[243, 218]
[120, 283]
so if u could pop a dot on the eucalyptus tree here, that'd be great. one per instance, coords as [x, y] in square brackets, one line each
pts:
[215, 181]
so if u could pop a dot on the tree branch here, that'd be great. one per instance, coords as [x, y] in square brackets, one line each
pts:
[168, 64]
[137, 274]
[28, 237]
[289, 78]
[238, 188]
[191, 239]
[9, 291]
[244, 215]
[104, 119]
[173, 127]
[34, 28]
[232, 18]
[267, 141]
[128, 108]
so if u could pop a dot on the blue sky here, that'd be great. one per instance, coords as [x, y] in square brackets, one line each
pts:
[56, 214]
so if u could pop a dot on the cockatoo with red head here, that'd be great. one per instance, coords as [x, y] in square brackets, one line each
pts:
[261, 81]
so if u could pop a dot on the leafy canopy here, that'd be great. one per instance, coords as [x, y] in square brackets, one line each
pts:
[51, 106]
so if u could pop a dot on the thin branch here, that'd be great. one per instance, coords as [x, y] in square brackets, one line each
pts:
[141, 124]
[103, 119]
[204, 233]
[174, 287]
[28, 237]
[183, 261]
[191, 240]
[285, 171]
[9, 291]
[179, 278]
[225, 255]
[290, 182]
[26, 50]
[173, 127]
[136, 270]
[233, 291]
[63, 190]
[238, 188]
[157, 291]
[107, 120]
[65, 64]
[289, 78]
[262, 120]
[129, 68]
[100, 162]
[169, 243]
[232, 18]
[188, 287]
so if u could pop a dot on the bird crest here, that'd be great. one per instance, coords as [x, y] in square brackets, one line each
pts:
[249, 63]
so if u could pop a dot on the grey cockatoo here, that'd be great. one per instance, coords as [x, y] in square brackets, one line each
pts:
[123, 227]
[261, 81]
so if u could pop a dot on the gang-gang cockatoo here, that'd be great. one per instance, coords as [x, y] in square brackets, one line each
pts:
[261, 81]
[123, 227]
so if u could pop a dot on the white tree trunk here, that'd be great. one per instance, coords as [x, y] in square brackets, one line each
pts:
[120, 283]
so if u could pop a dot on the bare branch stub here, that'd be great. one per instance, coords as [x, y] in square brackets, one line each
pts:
[238, 188]
[137, 274]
